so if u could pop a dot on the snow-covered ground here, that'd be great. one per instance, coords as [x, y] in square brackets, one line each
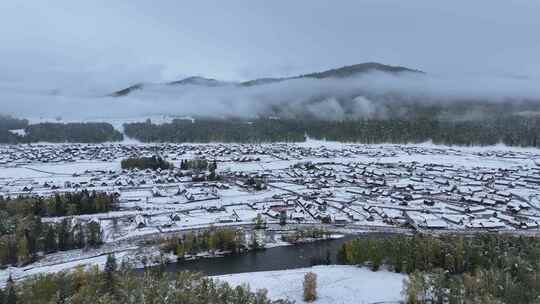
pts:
[336, 284]
[341, 187]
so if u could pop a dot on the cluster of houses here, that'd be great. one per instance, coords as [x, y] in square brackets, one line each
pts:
[347, 185]
[424, 196]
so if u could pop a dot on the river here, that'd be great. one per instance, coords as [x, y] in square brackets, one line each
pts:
[277, 258]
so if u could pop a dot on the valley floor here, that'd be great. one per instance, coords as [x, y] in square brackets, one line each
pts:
[340, 187]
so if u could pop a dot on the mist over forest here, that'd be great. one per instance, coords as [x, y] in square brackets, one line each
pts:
[372, 94]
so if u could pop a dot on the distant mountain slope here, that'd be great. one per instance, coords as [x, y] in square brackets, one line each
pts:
[201, 81]
[127, 90]
[352, 70]
[342, 72]
[261, 81]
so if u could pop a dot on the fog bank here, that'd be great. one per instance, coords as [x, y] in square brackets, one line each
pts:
[368, 95]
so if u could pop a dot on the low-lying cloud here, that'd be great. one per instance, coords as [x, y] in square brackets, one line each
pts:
[370, 95]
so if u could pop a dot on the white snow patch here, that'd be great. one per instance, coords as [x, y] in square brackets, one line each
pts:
[335, 284]
[20, 132]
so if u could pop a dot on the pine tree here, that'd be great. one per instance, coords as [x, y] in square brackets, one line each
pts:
[11, 296]
[4, 250]
[212, 176]
[180, 251]
[63, 291]
[115, 226]
[254, 242]
[50, 240]
[110, 269]
[212, 166]
[33, 234]
[80, 241]
[63, 236]
[95, 236]
[23, 255]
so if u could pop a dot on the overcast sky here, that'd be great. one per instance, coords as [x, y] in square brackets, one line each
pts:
[100, 44]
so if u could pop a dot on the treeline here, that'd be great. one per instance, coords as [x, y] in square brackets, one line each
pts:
[485, 268]
[66, 204]
[216, 130]
[56, 132]
[7, 137]
[142, 163]
[89, 132]
[512, 130]
[121, 284]
[24, 239]
[10, 123]
[209, 240]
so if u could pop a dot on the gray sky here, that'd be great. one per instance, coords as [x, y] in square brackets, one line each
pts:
[93, 46]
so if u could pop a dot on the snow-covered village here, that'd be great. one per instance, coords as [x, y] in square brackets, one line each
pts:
[271, 195]
[269, 152]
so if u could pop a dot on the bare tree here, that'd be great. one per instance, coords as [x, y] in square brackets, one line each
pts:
[310, 287]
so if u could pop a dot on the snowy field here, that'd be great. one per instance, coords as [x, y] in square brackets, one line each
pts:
[335, 284]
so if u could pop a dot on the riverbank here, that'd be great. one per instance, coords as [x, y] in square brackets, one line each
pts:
[276, 256]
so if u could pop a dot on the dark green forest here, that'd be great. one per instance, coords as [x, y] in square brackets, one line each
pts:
[122, 284]
[90, 132]
[67, 204]
[459, 124]
[10, 123]
[485, 268]
[510, 130]
[56, 132]
[24, 237]
[208, 130]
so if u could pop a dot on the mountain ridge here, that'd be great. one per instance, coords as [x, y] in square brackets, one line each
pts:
[341, 72]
